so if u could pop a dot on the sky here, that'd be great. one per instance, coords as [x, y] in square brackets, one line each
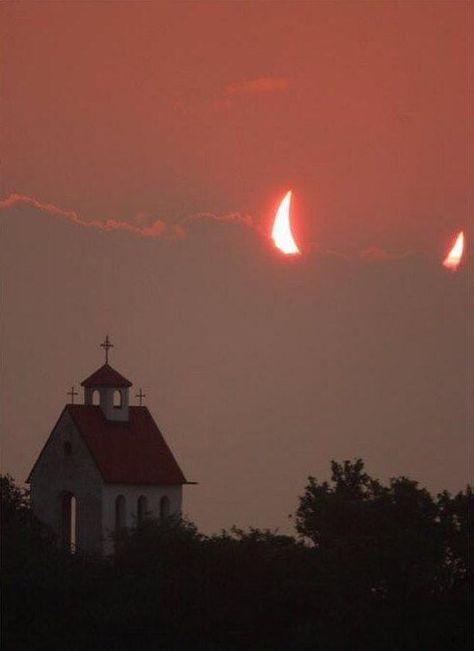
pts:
[145, 149]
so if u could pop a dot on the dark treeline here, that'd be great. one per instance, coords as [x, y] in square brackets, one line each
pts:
[373, 566]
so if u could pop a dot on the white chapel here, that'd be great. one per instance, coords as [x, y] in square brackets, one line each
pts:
[105, 466]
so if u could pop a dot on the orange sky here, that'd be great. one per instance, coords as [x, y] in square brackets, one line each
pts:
[184, 124]
[167, 109]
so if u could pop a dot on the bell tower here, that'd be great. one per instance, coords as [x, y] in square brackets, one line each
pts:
[108, 389]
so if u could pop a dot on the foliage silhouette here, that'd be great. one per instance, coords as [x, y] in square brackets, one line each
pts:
[373, 567]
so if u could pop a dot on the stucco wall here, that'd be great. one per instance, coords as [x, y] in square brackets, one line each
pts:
[131, 494]
[56, 473]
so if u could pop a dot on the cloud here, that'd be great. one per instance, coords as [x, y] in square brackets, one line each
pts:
[144, 226]
[157, 228]
[231, 218]
[228, 96]
[377, 254]
[370, 254]
[49, 208]
[255, 86]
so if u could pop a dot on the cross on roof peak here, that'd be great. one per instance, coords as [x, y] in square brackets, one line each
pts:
[140, 395]
[72, 393]
[106, 345]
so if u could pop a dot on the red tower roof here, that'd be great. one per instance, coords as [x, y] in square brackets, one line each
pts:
[125, 452]
[106, 376]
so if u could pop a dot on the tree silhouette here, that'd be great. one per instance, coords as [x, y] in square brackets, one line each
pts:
[374, 566]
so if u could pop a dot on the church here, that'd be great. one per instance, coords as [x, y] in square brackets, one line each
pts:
[105, 466]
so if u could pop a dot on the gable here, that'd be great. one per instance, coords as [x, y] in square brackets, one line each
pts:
[54, 461]
[122, 452]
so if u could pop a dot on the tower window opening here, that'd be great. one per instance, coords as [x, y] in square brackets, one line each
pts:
[118, 399]
[96, 398]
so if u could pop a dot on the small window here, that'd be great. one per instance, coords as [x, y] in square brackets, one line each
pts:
[67, 449]
[164, 507]
[142, 507]
[96, 398]
[117, 399]
[120, 513]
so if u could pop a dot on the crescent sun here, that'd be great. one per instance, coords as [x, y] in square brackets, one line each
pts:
[281, 230]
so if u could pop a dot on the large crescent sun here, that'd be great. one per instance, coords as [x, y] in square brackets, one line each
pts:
[281, 231]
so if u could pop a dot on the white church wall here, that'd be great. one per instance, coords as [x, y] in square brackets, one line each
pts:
[153, 494]
[57, 473]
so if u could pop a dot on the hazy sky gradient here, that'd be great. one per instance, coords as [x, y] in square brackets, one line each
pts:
[187, 122]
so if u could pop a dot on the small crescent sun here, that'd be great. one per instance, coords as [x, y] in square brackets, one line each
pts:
[454, 257]
[281, 230]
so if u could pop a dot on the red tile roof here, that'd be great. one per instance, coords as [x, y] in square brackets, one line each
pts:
[106, 376]
[130, 452]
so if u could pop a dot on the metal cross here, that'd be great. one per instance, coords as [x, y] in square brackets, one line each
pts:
[107, 345]
[140, 395]
[72, 393]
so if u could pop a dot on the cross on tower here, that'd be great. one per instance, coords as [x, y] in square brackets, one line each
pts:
[72, 393]
[107, 345]
[140, 395]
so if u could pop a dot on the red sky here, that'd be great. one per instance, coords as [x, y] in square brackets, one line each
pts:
[171, 109]
[153, 113]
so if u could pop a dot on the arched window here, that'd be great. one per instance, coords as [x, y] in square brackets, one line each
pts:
[67, 448]
[164, 507]
[120, 513]
[96, 397]
[117, 399]
[142, 507]
[69, 522]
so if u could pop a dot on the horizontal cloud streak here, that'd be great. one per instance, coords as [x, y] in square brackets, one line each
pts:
[255, 86]
[231, 218]
[159, 229]
[377, 254]
[156, 229]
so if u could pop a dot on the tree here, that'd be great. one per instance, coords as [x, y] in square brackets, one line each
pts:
[391, 546]
[375, 567]
[456, 514]
[22, 534]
